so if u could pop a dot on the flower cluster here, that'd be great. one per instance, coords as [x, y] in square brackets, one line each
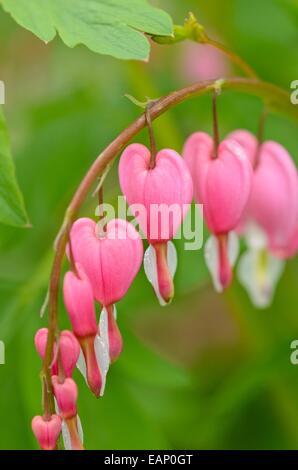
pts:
[246, 188]
[249, 189]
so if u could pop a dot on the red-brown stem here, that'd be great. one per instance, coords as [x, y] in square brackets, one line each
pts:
[215, 124]
[268, 91]
[153, 148]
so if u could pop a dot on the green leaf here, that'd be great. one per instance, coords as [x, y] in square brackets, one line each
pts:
[113, 27]
[12, 209]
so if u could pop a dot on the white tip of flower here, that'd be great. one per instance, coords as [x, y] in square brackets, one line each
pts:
[101, 346]
[151, 268]
[66, 436]
[259, 272]
[81, 365]
[80, 429]
[211, 254]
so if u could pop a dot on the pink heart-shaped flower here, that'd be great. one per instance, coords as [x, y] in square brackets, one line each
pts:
[222, 184]
[111, 260]
[273, 203]
[47, 431]
[159, 197]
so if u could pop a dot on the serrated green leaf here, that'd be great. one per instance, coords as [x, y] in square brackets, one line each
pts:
[12, 209]
[113, 27]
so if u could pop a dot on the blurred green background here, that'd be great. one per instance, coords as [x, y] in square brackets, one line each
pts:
[209, 371]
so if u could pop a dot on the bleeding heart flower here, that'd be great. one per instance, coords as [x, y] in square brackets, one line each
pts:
[66, 394]
[223, 186]
[275, 211]
[69, 350]
[159, 198]
[79, 302]
[111, 260]
[46, 431]
[270, 220]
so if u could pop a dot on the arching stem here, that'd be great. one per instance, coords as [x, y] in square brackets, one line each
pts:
[215, 123]
[153, 147]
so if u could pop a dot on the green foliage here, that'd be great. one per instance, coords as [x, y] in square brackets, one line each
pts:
[12, 209]
[113, 27]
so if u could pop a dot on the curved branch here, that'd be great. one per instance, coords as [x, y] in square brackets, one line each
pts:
[278, 100]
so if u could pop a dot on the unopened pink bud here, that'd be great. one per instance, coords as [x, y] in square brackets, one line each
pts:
[69, 350]
[46, 431]
[40, 341]
[66, 394]
[79, 302]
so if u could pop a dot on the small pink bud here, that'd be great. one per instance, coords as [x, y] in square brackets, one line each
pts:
[66, 394]
[46, 431]
[159, 197]
[111, 259]
[79, 302]
[40, 341]
[222, 185]
[69, 350]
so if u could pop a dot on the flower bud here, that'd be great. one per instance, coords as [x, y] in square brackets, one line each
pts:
[159, 197]
[223, 185]
[79, 302]
[66, 394]
[69, 350]
[46, 431]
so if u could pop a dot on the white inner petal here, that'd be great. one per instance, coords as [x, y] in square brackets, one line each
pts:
[211, 254]
[255, 237]
[81, 365]
[151, 268]
[102, 347]
[80, 429]
[66, 436]
[260, 276]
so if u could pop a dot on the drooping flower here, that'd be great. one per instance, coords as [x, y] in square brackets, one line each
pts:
[159, 197]
[269, 223]
[111, 259]
[46, 430]
[79, 302]
[69, 350]
[223, 186]
[66, 394]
